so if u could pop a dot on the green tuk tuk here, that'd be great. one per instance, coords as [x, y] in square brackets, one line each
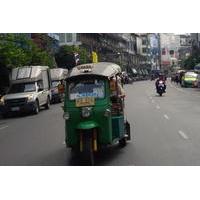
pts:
[94, 115]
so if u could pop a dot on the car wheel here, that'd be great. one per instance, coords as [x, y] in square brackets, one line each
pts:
[37, 107]
[47, 105]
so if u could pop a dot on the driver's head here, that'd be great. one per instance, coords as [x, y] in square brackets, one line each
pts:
[161, 76]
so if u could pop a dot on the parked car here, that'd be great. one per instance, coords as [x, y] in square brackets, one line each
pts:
[189, 79]
[29, 90]
[58, 76]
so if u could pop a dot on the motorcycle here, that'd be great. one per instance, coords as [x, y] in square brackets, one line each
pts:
[161, 87]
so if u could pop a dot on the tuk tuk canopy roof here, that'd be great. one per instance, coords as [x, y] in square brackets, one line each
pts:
[105, 69]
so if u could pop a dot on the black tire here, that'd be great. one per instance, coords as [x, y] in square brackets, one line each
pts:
[160, 94]
[128, 130]
[47, 105]
[122, 142]
[37, 108]
[87, 154]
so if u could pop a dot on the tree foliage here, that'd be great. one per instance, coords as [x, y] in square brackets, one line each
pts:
[65, 56]
[18, 50]
[192, 60]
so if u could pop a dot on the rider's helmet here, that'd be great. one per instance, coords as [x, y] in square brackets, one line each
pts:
[161, 76]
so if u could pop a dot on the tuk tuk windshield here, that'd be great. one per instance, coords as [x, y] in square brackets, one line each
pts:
[87, 88]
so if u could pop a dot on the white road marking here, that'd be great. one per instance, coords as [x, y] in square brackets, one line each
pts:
[158, 107]
[3, 127]
[166, 117]
[183, 135]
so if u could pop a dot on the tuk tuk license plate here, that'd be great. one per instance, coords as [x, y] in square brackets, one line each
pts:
[86, 101]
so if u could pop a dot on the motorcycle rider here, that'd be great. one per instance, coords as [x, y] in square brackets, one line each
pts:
[163, 79]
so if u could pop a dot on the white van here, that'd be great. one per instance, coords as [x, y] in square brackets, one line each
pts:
[30, 89]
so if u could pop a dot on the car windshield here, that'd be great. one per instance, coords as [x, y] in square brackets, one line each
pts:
[55, 83]
[87, 88]
[22, 87]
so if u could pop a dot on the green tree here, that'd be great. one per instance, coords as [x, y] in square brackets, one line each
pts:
[65, 56]
[18, 50]
[190, 62]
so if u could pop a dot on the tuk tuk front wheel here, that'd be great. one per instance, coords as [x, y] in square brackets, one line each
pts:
[88, 154]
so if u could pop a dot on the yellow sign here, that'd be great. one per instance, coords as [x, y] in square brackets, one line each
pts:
[86, 101]
[94, 57]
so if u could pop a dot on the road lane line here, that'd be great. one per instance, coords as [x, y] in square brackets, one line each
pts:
[183, 135]
[166, 117]
[3, 127]
[158, 107]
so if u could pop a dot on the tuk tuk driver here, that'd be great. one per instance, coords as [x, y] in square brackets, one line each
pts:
[116, 88]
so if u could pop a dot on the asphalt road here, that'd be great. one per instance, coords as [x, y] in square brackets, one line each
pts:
[165, 131]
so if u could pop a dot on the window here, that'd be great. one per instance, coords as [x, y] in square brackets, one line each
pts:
[163, 51]
[78, 37]
[40, 84]
[144, 41]
[55, 83]
[144, 50]
[62, 38]
[69, 37]
[22, 87]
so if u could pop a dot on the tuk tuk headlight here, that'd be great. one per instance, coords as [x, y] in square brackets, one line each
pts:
[107, 113]
[2, 102]
[66, 116]
[86, 111]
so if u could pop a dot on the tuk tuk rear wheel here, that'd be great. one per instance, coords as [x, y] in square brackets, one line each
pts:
[122, 142]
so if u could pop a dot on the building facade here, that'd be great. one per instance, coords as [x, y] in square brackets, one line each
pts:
[154, 51]
[185, 49]
[130, 50]
[46, 41]
[169, 47]
[69, 39]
